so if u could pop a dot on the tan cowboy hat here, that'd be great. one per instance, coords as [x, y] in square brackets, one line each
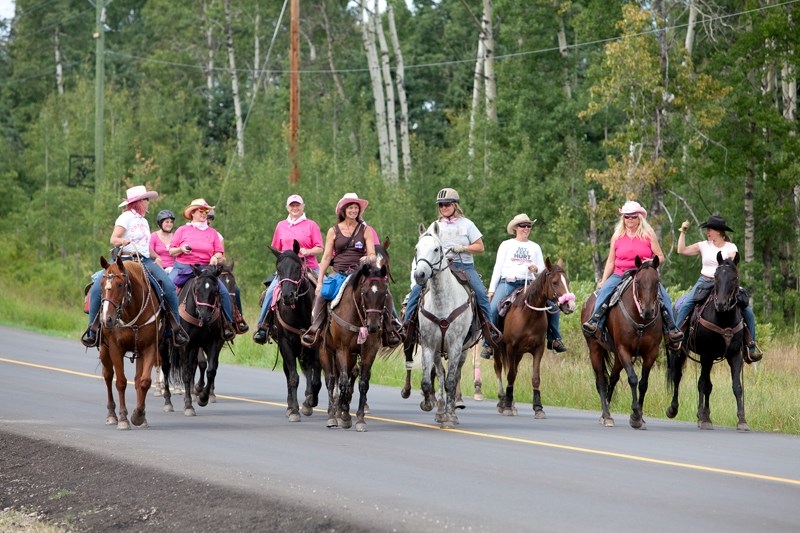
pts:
[351, 198]
[516, 221]
[198, 203]
[139, 192]
[632, 207]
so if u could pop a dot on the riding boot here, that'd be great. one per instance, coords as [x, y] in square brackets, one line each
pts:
[179, 337]
[238, 319]
[392, 330]
[752, 353]
[318, 316]
[260, 336]
[90, 338]
[411, 339]
[591, 325]
[491, 334]
[673, 334]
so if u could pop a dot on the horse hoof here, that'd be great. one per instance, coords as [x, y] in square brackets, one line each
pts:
[112, 421]
[366, 409]
[607, 422]
[157, 392]
[405, 393]
[138, 418]
[742, 426]
[425, 406]
[638, 424]
[705, 425]
[478, 397]
[447, 424]
[440, 418]
[168, 408]
[201, 402]
[189, 412]
[361, 427]
[212, 398]
[346, 424]
[507, 412]
[294, 417]
[143, 424]
[460, 404]
[306, 410]
[332, 423]
[538, 414]
[123, 426]
[672, 412]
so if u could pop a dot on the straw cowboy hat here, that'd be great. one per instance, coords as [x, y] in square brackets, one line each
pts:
[139, 192]
[632, 207]
[351, 198]
[716, 222]
[517, 220]
[197, 203]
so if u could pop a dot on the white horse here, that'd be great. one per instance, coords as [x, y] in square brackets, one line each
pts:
[445, 316]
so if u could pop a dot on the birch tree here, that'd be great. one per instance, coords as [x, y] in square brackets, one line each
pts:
[400, 80]
[237, 104]
[376, 25]
[368, 38]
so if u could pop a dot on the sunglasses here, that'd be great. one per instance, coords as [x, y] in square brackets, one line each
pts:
[444, 205]
[630, 217]
[524, 226]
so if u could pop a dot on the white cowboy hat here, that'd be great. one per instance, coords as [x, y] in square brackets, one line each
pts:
[516, 221]
[139, 192]
[630, 207]
[351, 198]
[197, 203]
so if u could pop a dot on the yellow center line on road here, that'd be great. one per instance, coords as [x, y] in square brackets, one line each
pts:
[531, 442]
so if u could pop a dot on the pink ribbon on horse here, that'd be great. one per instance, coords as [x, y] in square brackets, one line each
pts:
[362, 335]
[568, 297]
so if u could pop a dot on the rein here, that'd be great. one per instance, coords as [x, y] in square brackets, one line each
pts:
[638, 326]
[362, 330]
[564, 298]
[128, 298]
[726, 333]
[197, 321]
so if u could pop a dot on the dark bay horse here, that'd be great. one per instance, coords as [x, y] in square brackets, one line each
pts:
[201, 317]
[293, 316]
[524, 331]
[352, 340]
[129, 320]
[634, 330]
[714, 332]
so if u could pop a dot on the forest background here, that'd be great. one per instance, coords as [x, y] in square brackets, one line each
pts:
[559, 109]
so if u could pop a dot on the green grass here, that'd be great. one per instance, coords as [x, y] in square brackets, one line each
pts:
[567, 379]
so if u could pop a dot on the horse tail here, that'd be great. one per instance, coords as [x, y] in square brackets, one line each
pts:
[176, 363]
[674, 366]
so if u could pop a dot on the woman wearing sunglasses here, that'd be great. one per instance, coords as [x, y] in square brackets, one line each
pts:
[633, 236]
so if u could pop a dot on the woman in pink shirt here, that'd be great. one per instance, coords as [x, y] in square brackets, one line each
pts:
[632, 237]
[161, 240]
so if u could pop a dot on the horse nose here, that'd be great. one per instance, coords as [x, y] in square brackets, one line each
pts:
[374, 328]
[419, 276]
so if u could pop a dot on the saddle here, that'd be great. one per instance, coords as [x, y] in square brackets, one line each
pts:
[505, 303]
[616, 296]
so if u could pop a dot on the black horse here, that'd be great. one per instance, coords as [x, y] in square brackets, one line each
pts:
[714, 332]
[292, 317]
[201, 317]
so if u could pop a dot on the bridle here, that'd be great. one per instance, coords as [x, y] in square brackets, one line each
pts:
[359, 305]
[126, 299]
[564, 298]
[436, 266]
[299, 291]
[196, 320]
[635, 289]
[730, 301]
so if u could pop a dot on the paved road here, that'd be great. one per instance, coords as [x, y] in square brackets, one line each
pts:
[493, 473]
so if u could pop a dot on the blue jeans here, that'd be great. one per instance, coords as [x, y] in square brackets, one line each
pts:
[157, 274]
[689, 302]
[270, 292]
[611, 283]
[224, 295]
[475, 284]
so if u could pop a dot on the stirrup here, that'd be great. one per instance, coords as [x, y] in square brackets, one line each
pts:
[752, 353]
[487, 353]
[260, 336]
[589, 327]
[90, 338]
[309, 339]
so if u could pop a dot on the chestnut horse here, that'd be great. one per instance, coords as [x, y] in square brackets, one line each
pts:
[293, 316]
[524, 330]
[352, 340]
[714, 332]
[633, 329]
[129, 320]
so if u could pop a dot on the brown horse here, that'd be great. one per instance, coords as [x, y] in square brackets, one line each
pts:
[129, 320]
[633, 330]
[354, 334]
[524, 329]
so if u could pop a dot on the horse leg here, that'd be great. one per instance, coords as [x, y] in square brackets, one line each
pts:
[704, 387]
[189, 364]
[202, 364]
[122, 384]
[108, 376]
[441, 384]
[736, 362]
[405, 392]
[292, 381]
[675, 362]
[647, 366]
[345, 389]
[598, 356]
[513, 358]
[142, 383]
[476, 375]
[211, 372]
[166, 368]
[363, 388]
[498, 361]
[449, 420]
[633, 383]
[311, 369]
[427, 380]
[536, 380]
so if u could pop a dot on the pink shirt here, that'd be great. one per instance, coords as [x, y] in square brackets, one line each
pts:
[625, 251]
[161, 249]
[204, 244]
[306, 232]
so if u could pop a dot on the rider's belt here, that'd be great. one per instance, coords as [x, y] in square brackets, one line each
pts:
[126, 257]
[516, 280]
[707, 278]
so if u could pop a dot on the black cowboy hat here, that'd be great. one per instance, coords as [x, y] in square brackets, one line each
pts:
[716, 222]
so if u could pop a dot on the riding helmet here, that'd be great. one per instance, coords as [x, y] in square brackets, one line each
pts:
[164, 215]
[211, 215]
[447, 196]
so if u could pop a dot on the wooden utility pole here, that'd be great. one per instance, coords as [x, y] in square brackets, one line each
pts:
[294, 98]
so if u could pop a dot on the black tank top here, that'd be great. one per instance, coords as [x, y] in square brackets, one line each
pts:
[348, 251]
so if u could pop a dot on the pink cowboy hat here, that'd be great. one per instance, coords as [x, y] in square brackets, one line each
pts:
[632, 207]
[139, 192]
[351, 198]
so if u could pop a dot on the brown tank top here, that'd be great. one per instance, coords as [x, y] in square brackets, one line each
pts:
[347, 251]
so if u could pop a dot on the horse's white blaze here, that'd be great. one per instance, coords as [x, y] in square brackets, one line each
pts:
[105, 312]
[207, 285]
[374, 289]
[108, 283]
[572, 304]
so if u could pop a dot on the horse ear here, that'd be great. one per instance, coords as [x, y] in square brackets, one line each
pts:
[421, 229]
[547, 263]
[719, 257]
[560, 262]
[656, 261]
[386, 242]
[196, 270]
[296, 246]
[638, 261]
[275, 251]
[736, 258]
[103, 262]
[384, 271]
[229, 265]
[119, 263]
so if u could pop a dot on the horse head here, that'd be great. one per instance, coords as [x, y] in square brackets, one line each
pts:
[646, 286]
[115, 292]
[726, 283]
[372, 295]
[289, 267]
[429, 257]
[227, 277]
[557, 286]
[205, 291]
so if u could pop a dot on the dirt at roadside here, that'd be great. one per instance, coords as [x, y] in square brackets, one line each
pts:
[81, 491]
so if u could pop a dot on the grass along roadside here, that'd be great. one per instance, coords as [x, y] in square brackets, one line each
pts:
[770, 387]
